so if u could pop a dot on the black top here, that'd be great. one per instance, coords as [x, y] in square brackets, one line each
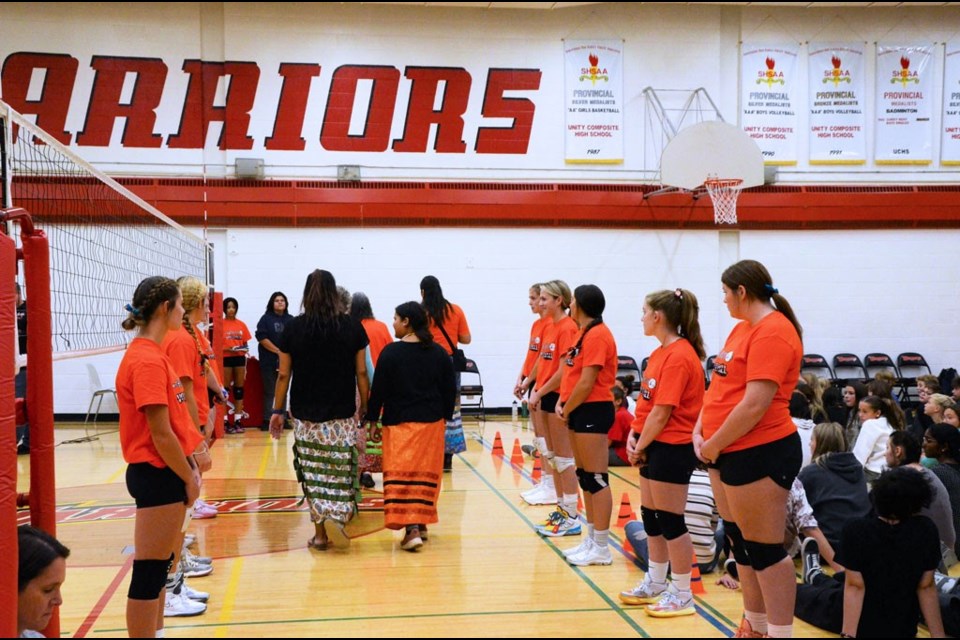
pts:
[269, 328]
[412, 384]
[324, 367]
[837, 492]
[892, 559]
[22, 326]
[949, 475]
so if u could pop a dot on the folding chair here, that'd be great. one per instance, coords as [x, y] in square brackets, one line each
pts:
[708, 370]
[848, 362]
[815, 362]
[911, 364]
[98, 392]
[473, 391]
[876, 362]
[628, 366]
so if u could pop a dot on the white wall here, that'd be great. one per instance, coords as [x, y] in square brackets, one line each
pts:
[861, 291]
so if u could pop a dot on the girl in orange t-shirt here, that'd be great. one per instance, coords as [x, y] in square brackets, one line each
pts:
[236, 335]
[544, 492]
[559, 334]
[443, 313]
[589, 371]
[747, 436]
[671, 395]
[158, 441]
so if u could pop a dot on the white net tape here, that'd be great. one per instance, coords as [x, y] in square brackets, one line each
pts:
[724, 194]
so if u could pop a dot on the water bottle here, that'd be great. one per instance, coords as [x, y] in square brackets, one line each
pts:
[514, 410]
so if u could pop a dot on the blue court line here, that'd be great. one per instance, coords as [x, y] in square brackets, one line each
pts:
[616, 542]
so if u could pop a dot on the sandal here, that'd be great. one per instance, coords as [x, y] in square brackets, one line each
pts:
[317, 546]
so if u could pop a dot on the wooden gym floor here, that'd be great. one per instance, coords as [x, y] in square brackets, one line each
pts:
[484, 572]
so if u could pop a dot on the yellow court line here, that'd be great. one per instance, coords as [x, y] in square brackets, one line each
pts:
[116, 476]
[265, 460]
[229, 599]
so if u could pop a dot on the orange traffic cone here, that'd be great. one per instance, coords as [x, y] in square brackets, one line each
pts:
[516, 458]
[497, 445]
[626, 511]
[696, 582]
[537, 469]
[580, 508]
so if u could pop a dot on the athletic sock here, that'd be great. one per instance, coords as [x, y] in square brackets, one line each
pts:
[601, 538]
[658, 572]
[758, 621]
[780, 630]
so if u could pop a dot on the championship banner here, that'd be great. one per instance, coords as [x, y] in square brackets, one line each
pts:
[768, 92]
[904, 105]
[950, 144]
[593, 93]
[836, 97]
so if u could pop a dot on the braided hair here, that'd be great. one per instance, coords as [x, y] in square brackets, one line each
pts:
[149, 295]
[194, 292]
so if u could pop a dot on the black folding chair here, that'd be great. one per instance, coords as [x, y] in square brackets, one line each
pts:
[626, 365]
[843, 362]
[817, 363]
[911, 364]
[877, 362]
[471, 393]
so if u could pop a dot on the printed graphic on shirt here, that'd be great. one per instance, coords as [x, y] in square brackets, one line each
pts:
[646, 388]
[178, 389]
[535, 345]
[720, 362]
[548, 354]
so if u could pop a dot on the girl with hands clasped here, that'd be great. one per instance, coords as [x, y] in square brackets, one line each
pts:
[746, 435]
[671, 395]
[158, 439]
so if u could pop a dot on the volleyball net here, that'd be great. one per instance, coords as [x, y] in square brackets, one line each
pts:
[103, 238]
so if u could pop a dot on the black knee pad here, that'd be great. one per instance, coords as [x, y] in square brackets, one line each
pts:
[763, 555]
[672, 524]
[594, 483]
[650, 523]
[237, 392]
[735, 537]
[580, 473]
[149, 578]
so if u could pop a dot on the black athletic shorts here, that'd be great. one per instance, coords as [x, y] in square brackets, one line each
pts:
[153, 487]
[548, 402]
[592, 417]
[779, 460]
[235, 361]
[673, 463]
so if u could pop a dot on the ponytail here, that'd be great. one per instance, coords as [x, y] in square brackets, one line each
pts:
[756, 280]
[417, 316]
[888, 409]
[682, 311]
[591, 302]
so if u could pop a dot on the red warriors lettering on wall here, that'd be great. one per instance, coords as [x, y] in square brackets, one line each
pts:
[438, 99]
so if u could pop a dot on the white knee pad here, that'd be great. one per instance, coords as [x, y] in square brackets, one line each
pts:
[541, 446]
[549, 458]
[563, 464]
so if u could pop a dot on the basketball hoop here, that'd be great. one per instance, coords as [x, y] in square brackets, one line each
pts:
[724, 194]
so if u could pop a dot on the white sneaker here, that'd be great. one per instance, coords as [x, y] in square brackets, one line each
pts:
[565, 525]
[593, 554]
[580, 548]
[540, 494]
[646, 592]
[193, 594]
[195, 569]
[671, 605]
[178, 605]
[188, 555]
[189, 539]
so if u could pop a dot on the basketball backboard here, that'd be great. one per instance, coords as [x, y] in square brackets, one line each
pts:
[711, 149]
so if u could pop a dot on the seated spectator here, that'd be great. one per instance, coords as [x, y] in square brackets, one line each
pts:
[890, 559]
[800, 413]
[879, 420]
[951, 416]
[927, 385]
[942, 443]
[702, 520]
[833, 406]
[903, 450]
[935, 406]
[626, 383]
[955, 389]
[853, 392]
[812, 386]
[834, 483]
[620, 431]
[41, 568]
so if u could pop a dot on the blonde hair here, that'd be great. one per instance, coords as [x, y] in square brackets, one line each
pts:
[942, 401]
[558, 289]
[828, 439]
[194, 292]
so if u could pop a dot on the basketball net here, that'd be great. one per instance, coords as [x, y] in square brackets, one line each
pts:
[724, 194]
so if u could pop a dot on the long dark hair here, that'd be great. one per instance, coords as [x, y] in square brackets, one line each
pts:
[436, 306]
[758, 283]
[591, 302]
[273, 297]
[910, 445]
[321, 302]
[360, 307]
[683, 314]
[38, 550]
[417, 316]
[147, 298]
[888, 409]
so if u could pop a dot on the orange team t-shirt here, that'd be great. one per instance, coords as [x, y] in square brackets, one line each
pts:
[236, 335]
[768, 350]
[146, 378]
[379, 336]
[557, 338]
[598, 349]
[673, 377]
[455, 325]
[533, 351]
[185, 359]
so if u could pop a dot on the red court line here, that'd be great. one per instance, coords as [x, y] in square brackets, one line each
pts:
[104, 599]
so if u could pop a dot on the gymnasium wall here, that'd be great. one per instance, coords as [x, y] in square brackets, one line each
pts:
[863, 291]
